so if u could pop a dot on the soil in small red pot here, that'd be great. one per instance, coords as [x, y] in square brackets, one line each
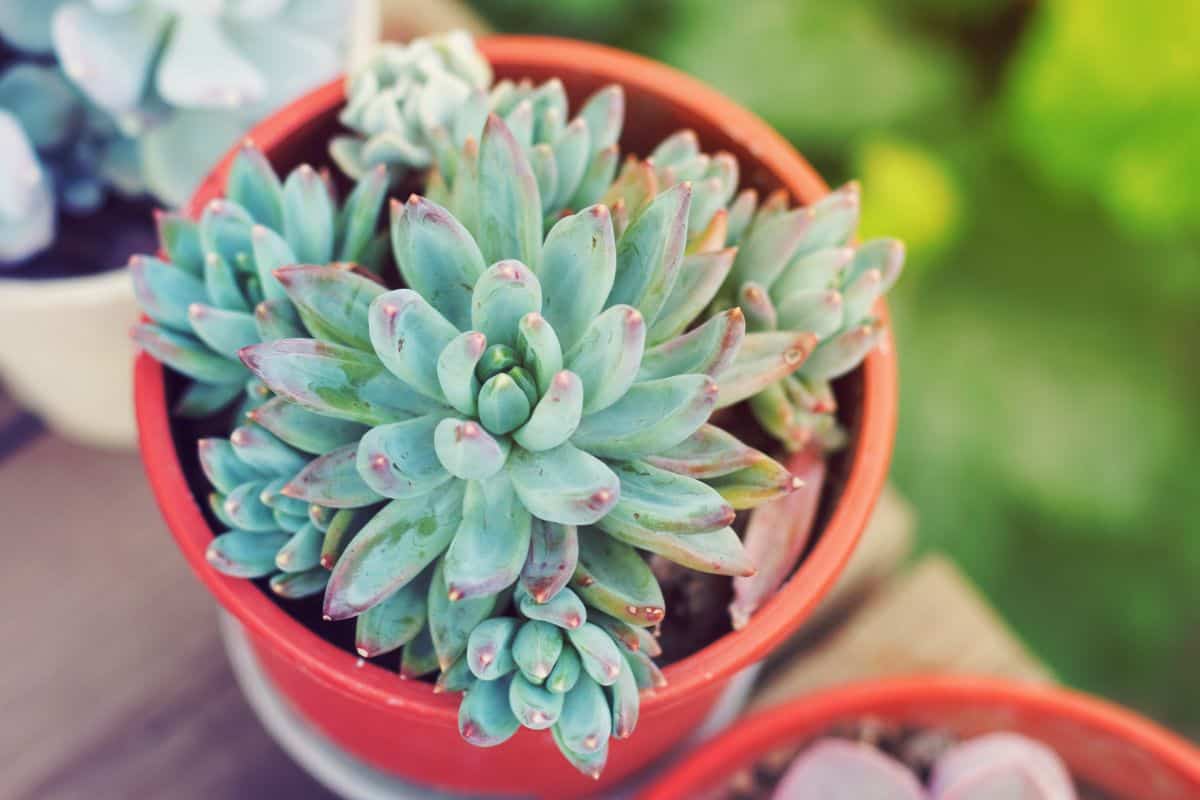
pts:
[916, 748]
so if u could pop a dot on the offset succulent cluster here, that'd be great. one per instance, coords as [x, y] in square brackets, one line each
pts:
[998, 765]
[800, 270]
[409, 103]
[418, 105]
[142, 96]
[216, 292]
[269, 533]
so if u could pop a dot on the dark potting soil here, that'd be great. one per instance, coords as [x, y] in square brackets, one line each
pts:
[917, 748]
[92, 244]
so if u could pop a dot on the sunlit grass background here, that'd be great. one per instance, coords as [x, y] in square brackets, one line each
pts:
[1042, 159]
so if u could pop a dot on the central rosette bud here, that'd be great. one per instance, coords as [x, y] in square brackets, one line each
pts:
[508, 390]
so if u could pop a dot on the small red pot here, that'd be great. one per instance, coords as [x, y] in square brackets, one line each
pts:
[402, 726]
[1103, 745]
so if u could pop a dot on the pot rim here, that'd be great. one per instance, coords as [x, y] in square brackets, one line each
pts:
[758, 733]
[339, 669]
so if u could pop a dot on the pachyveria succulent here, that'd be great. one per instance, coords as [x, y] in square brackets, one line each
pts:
[534, 423]
[800, 270]
[216, 292]
[998, 765]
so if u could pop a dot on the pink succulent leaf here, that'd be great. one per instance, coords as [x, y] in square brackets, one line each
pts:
[988, 766]
[839, 769]
[777, 535]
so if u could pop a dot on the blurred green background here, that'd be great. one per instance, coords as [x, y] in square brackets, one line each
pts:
[1042, 159]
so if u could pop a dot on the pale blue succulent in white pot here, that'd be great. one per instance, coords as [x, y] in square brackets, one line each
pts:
[107, 109]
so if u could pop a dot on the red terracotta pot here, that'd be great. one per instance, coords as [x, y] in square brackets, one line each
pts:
[1103, 745]
[402, 727]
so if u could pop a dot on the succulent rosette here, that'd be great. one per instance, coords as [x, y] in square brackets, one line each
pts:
[799, 269]
[416, 106]
[216, 292]
[533, 425]
[268, 533]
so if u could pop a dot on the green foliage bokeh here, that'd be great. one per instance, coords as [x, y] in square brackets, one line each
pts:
[1043, 160]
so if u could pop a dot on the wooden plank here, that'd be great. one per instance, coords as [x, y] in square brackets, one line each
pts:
[928, 620]
[114, 683]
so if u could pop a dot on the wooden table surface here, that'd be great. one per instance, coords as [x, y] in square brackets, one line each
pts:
[113, 682]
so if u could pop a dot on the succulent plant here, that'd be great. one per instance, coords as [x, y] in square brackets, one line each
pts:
[800, 270]
[407, 102]
[142, 96]
[269, 533]
[216, 291]
[533, 423]
[574, 161]
[417, 106]
[998, 765]
[184, 80]
[57, 152]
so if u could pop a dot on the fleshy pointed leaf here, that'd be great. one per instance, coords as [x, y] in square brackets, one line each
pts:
[187, 355]
[658, 500]
[763, 359]
[199, 400]
[226, 332]
[245, 554]
[769, 246]
[556, 417]
[394, 622]
[437, 257]
[612, 577]
[334, 380]
[265, 452]
[608, 355]
[277, 319]
[297, 585]
[535, 707]
[491, 544]
[564, 485]
[456, 370]
[302, 552]
[601, 659]
[539, 349]
[343, 527]
[586, 721]
[333, 480]
[221, 465]
[418, 657]
[392, 549]
[553, 554]
[650, 417]
[400, 460]
[700, 276]
[253, 185]
[308, 216]
[536, 650]
[841, 354]
[504, 293]
[165, 291]
[485, 718]
[489, 649]
[625, 702]
[451, 619]
[408, 335]
[332, 302]
[305, 430]
[708, 349]
[578, 267]
[510, 218]
[707, 453]
[564, 609]
[566, 672]
[359, 218]
[817, 311]
[650, 253]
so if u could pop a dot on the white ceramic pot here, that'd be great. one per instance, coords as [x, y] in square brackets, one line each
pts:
[66, 355]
